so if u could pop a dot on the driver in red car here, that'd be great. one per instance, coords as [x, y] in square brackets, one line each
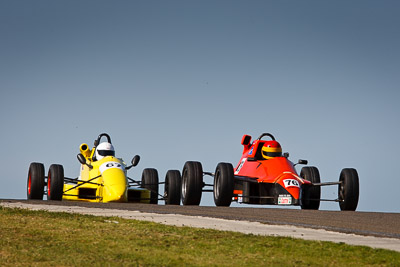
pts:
[271, 149]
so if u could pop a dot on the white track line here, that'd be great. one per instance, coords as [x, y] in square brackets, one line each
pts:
[245, 227]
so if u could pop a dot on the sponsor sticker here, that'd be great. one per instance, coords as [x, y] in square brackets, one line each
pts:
[291, 183]
[110, 165]
[284, 200]
[240, 166]
[251, 150]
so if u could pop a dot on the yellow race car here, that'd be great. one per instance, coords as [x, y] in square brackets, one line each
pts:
[103, 178]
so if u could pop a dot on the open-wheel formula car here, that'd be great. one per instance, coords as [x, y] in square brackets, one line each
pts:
[266, 176]
[103, 178]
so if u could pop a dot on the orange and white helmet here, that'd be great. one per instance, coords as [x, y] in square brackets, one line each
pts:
[271, 149]
[104, 149]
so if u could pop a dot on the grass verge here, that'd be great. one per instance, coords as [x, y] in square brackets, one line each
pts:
[38, 238]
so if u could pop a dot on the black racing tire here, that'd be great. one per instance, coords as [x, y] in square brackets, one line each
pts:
[223, 184]
[55, 182]
[35, 184]
[348, 191]
[150, 182]
[311, 194]
[172, 188]
[192, 183]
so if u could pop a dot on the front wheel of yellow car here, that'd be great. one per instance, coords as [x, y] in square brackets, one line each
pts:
[55, 182]
[150, 182]
[35, 185]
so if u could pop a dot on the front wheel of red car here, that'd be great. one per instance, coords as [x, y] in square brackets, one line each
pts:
[223, 184]
[35, 184]
[192, 183]
[150, 182]
[55, 182]
[348, 189]
[172, 188]
[311, 194]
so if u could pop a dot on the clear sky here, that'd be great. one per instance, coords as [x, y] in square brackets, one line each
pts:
[184, 80]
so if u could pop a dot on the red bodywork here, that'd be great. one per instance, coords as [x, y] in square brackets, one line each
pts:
[253, 168]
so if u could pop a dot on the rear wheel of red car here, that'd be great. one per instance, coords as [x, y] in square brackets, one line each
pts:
[192, 183]
[150, 182]
[348, 189]
[35, 185]
[311, 194]
[223, 184]
[172, 188]
[55, 182]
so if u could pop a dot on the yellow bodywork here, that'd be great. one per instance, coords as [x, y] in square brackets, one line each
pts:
[106, 181]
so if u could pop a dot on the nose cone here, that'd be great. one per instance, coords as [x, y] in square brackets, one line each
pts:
[291, 184]
[115, 186]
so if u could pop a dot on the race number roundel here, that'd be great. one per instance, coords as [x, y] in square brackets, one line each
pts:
[291, 183]
[110, 165]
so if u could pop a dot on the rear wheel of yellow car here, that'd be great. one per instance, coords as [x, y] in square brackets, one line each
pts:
[192, 183]
[150, 182]
[172, 188]
[55, 182]
[35, 184]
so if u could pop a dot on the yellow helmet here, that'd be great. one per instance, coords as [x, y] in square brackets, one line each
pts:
[271, 149]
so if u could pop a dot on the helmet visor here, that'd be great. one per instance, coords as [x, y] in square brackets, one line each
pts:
[272, 154]
[106, 153]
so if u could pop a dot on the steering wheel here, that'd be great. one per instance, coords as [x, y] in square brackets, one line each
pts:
[266, 134]
[97, 141]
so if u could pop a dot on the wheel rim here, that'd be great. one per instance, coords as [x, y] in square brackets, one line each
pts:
[216, 189]
[342, 192]
[29, 184]
[184, 184]
[48, 185]
[166, 189]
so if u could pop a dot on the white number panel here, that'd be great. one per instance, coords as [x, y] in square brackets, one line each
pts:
[109, 165]
[291, 183]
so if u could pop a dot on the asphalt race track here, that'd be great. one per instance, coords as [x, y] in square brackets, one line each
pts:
[361, 223]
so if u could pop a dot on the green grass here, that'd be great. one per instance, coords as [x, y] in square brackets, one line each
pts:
[38, 238]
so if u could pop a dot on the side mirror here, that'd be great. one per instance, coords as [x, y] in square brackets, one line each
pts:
[134, 162]
[246, 140]
[82, 160]
[301, 161]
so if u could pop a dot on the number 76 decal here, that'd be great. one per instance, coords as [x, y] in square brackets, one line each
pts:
[291, 183]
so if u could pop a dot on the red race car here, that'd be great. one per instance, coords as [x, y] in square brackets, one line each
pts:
[266, 176]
